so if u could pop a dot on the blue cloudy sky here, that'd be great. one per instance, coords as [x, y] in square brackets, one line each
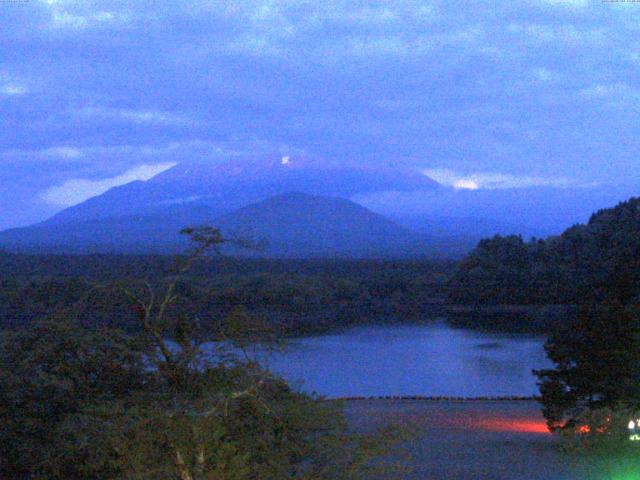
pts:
[481, 94]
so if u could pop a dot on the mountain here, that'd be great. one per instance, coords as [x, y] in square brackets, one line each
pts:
[301, 225]
[290, 224]
[250, 195]
[223, 186]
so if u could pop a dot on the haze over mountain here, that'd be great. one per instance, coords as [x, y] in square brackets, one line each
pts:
[300, 225]
[233, 183]
[250, 198]
[537, 211]
[286, 225]
[145, 216]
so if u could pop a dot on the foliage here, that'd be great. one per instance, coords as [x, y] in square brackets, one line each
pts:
[50, 372]
[294, 297]
[600, 431]
[593, 263]
[259, 432]
[86, 404]
[596, 360]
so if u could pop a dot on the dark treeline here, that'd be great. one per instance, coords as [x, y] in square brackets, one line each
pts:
[594, 263]
[295, 296]
[108, 266]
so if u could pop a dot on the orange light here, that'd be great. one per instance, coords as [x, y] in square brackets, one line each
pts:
[583, 429]
[514, 425]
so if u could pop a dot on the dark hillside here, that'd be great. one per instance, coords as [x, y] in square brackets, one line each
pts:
[598, 262]
[293, 225]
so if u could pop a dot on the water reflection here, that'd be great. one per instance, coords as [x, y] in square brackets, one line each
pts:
[430, 360]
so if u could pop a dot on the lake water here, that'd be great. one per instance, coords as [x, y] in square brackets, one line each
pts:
[429, 360]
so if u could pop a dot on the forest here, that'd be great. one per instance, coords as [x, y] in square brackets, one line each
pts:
[505, 283]
[296, 297]
[79, 333]
[598, 262]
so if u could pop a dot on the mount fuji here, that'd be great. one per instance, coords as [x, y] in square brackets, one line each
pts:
[298, 205]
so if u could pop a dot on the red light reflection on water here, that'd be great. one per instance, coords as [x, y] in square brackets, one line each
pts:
[475, 421]
[515, 425]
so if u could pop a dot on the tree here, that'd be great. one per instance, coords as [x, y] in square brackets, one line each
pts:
[83, 404]
[597, 368]
[224, 416]
[594, 263]
[49, 373]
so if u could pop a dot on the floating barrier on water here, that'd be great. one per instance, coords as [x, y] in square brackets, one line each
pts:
[436, 398]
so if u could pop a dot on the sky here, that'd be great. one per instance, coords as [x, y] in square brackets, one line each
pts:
[482, 94]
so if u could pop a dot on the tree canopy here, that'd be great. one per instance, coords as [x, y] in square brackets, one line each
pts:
[597, 365]
[83, 403]
[597, 262]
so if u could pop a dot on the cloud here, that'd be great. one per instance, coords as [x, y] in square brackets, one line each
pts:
[13, 89]
[512, 86]
[618, 94]
[561, 34]
[140, 117]
[543, 75]
[568, 3]
[116, 155]
[292, 29]
[77, 190]
[109, 160]
[62, 153]
[411, 46]
[79, 16]
[492, 181]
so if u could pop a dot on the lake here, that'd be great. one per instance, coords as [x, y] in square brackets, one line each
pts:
[431, 360]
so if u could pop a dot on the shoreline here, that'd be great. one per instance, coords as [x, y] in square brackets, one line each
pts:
[423, 398]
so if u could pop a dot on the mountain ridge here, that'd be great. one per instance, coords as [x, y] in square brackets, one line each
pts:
[298, 224]
[232, 183]
[294, 224]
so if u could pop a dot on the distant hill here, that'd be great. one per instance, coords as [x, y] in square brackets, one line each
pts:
[301, 225]
[595, 262]
[533, 211]
[289, 225]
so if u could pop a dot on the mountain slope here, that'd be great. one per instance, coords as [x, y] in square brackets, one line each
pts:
[301, 225]
[291, 225]
[223, 186]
